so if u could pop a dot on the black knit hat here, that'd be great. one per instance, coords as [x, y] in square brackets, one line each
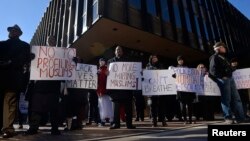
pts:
[16, 27]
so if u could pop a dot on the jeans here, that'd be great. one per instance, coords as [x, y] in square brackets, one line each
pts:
[230, 99]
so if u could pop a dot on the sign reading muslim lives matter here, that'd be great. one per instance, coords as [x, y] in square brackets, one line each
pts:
[86, 77]
[124, 76]
[242, 78]
[158, 82]
[52, 63]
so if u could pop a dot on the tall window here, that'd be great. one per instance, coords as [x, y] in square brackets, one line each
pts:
[197, 26]
[151, 7]
[135, 4]
[177, 14]
[165, 10]
[95, 10]
[205, 30]
[187, 16]
[84, 16]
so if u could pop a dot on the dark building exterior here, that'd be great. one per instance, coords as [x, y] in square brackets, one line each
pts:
[164, 27]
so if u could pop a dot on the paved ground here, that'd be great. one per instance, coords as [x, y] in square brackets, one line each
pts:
[144, 131]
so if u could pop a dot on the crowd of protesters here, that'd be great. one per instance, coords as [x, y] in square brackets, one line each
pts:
[69, 107]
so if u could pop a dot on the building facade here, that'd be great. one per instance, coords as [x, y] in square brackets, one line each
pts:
[165, 27]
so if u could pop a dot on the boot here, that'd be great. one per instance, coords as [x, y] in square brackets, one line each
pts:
[154, 123]
[164, 123]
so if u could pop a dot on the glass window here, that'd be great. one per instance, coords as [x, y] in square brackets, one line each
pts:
[189, 27]
[205, 30]
[212, 6]
[206, 4]
[95, 10]
[202, 13]
[197, 26]
[195, 7]
[135, 4]
[184, 2]
[177, 15]
[151, 7]
[84, 16]
[164, 10]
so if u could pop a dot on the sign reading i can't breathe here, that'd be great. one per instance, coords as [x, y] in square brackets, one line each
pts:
[158, 82]
[86, 77]
[124, 76]
[53, 63]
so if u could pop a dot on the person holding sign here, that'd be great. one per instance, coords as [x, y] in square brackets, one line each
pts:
[104, 102]
[157, 106]
[44, 98]
[186, 98]
[121, 96]
[221, 72]
[15, 55]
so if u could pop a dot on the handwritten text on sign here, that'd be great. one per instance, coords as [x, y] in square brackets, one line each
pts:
[53, 63]
[189, 80]
[242, 78]
[158, 82]
[124, 75]
[86, 77]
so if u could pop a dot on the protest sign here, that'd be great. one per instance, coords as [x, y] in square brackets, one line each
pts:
[86, 77]
[242, 78]
[158, 82]
[52, 63]
[189, 80]
[124, 75]
[210, 87]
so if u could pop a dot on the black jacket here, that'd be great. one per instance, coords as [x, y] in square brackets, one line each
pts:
[219, 66]
[185, 97]
[15, 54]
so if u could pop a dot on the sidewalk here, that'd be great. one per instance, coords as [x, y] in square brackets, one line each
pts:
[100, 133]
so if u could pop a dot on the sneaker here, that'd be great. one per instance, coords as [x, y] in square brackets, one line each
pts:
[8, 134]
[154, 124]
[114, 126]
[164, 124]
[228, 121]
[137, 119]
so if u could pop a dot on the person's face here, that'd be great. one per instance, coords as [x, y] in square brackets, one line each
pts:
[234, 64]
[118, 52]
[222, 49]
[13, 33]
[102, 63]
[154, 59]
[180, 62]
[201, 67]
[51, 41]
